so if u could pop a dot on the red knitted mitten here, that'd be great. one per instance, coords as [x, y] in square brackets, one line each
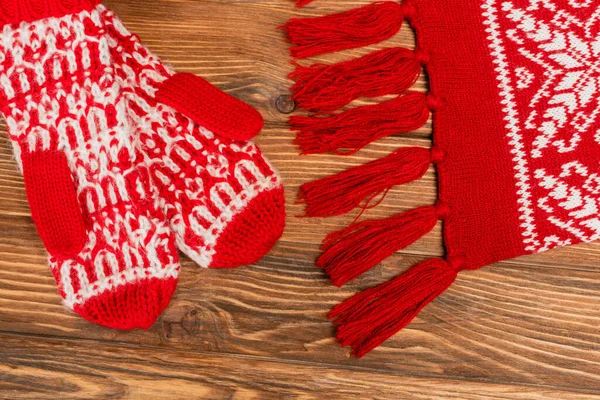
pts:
[111, 251]
[224, 201]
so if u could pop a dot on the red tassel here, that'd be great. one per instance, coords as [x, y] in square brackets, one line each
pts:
[340, 193]
[360, 27]
[351, 130]
[368, 319]
[302, 3]
[350, 252]
[326, 88]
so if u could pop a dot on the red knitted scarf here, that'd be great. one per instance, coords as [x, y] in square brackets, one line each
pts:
[513, 93]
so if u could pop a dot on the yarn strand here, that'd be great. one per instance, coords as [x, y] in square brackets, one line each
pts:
[302, 3]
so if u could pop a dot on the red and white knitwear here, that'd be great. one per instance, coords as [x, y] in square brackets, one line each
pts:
[514, 100]
[223, 199]
[110, 248]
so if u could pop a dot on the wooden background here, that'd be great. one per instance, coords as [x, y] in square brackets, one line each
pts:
[522, 329]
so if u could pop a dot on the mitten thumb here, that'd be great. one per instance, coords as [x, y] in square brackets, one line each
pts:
[53, 202]
[210, 107]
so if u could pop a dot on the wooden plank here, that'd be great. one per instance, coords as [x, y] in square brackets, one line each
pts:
[499, 323]
[48, 369]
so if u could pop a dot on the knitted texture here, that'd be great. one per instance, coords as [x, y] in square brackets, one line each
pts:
[111, 251]
[210, 107]
[17, 11]
[222, 198]
[513, 92]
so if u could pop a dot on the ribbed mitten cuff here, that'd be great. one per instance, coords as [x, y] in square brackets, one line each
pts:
[17, 11]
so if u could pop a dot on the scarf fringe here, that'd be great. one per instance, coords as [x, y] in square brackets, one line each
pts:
[350, 252]
[341, 193]
[360, 27]
[326, 88]
[367, 319]
[351, 130]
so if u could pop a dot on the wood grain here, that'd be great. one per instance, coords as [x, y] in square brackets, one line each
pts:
[88, 370]
[522, 329]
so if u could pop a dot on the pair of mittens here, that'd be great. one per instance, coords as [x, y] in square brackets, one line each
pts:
[125, 161]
